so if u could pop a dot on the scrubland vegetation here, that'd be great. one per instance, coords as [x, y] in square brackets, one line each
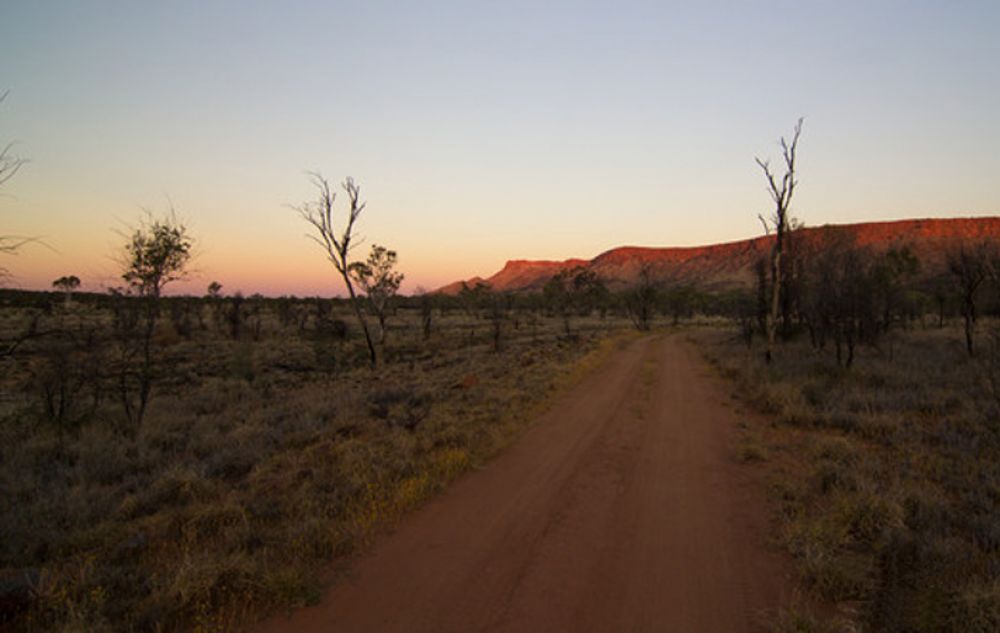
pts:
[885, 476]
[268, 448]
[271, 443]
[176, 463]
[881, 425]
[884, 459]
[179, 463]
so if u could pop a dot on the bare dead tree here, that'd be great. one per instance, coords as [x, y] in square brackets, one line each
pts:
[781, 190]
[9, 245]
[9, 165]
[337, 245]
[761, 305]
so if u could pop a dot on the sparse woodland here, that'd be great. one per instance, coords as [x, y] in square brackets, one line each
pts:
[883, 474]
[266, 449]
[878, 385]
[193, 462]
[182, 462]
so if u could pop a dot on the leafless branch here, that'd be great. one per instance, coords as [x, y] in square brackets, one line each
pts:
[337, 245]
[782, 197]
[9, 163]
[763, 221]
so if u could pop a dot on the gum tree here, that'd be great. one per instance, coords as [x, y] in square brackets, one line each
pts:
[67, 284]
[968, 265]
[155, 254]
[337, 243]
[380, 282]
[780, 189]
[574, 291]
[640, 300]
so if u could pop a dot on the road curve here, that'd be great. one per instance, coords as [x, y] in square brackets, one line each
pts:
[621, 509]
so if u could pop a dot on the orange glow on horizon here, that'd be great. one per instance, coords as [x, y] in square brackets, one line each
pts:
[305, 274]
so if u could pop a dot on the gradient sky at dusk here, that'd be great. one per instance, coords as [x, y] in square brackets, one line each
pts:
[480, 132]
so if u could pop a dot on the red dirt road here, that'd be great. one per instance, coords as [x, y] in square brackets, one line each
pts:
[621, 509]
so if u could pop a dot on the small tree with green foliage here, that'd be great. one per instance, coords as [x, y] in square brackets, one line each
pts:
[156, 253]
[67, 284]
[641, 299]
[498, 312]
[558, 299]
[213, 296]
[892, 271]
[968, 264]
[472, 299]
[380, 282]
[426, 303]
[573, 291]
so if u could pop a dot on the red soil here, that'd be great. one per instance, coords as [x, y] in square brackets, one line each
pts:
[621, 509]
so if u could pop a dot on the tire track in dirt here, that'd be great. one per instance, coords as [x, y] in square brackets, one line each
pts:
[621, 509]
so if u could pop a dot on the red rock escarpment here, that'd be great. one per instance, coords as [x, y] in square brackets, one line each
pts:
[731, 263]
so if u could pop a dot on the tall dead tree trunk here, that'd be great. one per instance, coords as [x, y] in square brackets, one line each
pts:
[320, 215]
[781, 194]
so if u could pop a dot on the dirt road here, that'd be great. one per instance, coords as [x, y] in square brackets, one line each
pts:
[620, 510]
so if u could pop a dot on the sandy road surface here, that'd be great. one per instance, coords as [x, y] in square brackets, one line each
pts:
[620, 510]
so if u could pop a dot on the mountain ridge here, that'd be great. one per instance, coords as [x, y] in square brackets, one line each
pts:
[730, 263]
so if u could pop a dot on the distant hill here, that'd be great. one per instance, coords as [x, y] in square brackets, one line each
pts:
[731, 264]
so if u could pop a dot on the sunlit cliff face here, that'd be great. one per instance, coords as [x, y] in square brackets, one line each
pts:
[732, 261]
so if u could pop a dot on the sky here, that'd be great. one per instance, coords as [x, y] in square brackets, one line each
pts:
[479, 131]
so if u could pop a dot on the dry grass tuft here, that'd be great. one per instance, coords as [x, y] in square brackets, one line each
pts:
[258, 463]
[886, 478]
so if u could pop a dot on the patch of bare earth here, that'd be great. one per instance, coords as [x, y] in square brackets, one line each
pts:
[621, 509]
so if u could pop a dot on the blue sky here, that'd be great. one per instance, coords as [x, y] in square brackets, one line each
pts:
[482, 132]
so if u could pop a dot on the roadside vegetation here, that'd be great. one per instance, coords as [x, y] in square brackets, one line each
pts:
[880, 429]
[192, 463]
[885, 476]
[176, 463]
[269, 447]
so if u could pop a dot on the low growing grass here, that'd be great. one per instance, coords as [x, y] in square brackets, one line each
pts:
[886, 477]
[258, 464]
